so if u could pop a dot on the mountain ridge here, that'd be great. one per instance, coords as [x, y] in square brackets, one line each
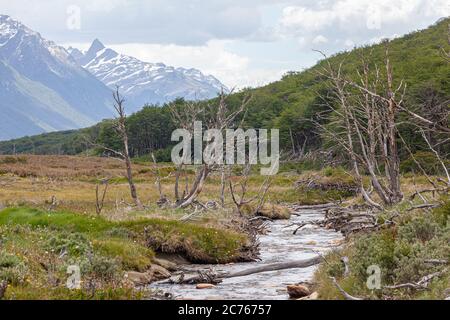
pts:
[145, 82]
[43, 86]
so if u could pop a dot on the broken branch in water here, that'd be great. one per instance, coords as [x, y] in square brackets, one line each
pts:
[210, 277]
[304, 224]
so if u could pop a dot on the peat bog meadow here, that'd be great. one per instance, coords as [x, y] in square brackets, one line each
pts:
[50, 220]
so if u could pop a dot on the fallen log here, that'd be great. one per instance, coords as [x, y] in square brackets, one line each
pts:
[210, 277]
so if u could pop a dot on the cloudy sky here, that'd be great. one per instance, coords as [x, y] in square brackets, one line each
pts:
[242, 42]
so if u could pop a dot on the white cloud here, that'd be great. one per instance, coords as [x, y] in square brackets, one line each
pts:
[309, 20]
[349, 43]
[104, 5]
[213, 58]
[353, 22]
[348, 14]
[320, 39]
[232, 39]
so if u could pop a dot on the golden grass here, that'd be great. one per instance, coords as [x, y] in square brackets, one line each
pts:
[35, 180]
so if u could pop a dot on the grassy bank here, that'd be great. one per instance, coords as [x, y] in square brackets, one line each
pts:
[416, 247]
[36, 248]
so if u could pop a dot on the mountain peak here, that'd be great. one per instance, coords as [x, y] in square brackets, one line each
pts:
[94, 49]
[4, 17]
[96, 46]
[8, 21]
[145, 82]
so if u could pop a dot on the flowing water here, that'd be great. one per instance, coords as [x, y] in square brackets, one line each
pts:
[279, 245]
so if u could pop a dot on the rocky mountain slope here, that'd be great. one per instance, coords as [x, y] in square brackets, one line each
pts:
[142, 82]
[42, 88]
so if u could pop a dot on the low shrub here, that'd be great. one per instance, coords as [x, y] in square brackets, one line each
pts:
[402, 253]
[12, 269]
[75, 244]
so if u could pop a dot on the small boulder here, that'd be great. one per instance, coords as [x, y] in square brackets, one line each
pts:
[158, 272]
[138, 278]
[298, 291]
[166, 264]
[201, 286]
[155, 273]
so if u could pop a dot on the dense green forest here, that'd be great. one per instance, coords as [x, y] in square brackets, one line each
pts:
[287, 104]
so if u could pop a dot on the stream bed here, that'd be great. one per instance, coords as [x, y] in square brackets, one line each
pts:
[278, 245]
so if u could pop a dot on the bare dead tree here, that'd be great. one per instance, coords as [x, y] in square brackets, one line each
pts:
[225, 173]
[162, 198]
[215, 115]
[100, 200]
[366, 123]
[125, 154]
[240, 199]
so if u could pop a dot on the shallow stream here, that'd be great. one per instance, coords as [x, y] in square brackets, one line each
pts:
[279, 245]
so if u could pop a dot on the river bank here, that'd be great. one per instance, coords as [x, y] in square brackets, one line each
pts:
[278, 245]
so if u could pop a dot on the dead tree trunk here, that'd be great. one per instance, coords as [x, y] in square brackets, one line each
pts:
[394, 159]
[100, 201]
[121, 129]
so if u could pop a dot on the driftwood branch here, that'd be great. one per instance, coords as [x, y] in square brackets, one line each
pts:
[343, 292]
[422, 284]
[216, 278]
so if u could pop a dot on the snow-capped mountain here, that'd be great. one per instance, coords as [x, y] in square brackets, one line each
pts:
[42, 87]
[143, 82]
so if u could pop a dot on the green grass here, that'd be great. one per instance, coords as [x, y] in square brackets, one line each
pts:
[198, 243]
[54, 220]
[38, 246]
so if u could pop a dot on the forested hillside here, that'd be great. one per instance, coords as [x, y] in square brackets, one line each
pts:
[288, 104]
